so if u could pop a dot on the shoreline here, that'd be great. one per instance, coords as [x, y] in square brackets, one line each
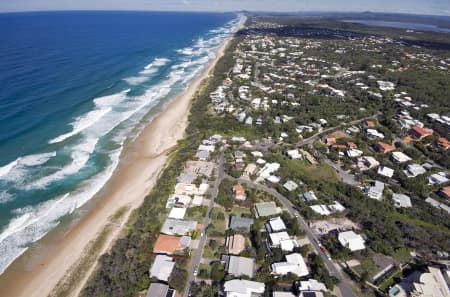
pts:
[41, 268]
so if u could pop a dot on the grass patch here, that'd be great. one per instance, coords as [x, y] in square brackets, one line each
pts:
[197, 213]
[416, 222]
[239, 211]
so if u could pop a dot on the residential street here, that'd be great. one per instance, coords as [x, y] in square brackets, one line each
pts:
[343, 286]
[198, 252]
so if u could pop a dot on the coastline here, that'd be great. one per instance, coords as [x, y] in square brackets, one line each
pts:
[39, 270]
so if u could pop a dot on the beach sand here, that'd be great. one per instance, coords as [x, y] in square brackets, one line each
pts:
[39, 270]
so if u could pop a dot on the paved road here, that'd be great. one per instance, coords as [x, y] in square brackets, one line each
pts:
[345, 289]
[345, 176]
[311, 139]
[198, 252]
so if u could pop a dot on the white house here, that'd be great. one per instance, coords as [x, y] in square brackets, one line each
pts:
[414, 170]
[376, 191]
[399, 157]
[276, 225]
[162, 267]
[401, 200]
[294, 154]
[385, 171]
[351, 240]
[294, 264]
[242, 288]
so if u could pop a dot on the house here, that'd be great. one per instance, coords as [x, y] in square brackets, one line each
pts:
[294, 154]
[250, 169]
[160, 290]
[178, 201]
[321, 209]
[177, 213]
[240, 223]
[383, 148]
[238, 266]
[330, 140]
[401, 200]
[178, 227]
[399, 157]
[311, 285]
[191, 189]
[351, 240]
[309, 196]
[267, 209]
[277, 237]
[283, 240]
[275, 225]
[432, 284]
[374, 133]
[367, 162]
[243, 288]
[290, 186]
[443, 143]
[235, 244]
[445, 192]
[202, 155]
[438, 178]
[169, 244]
[376, 191]
[268, 169]
[353, 153]
[414, 170]
[162, 267]
[239, 192]
[419, 133]
[294, 264]
[385, 171]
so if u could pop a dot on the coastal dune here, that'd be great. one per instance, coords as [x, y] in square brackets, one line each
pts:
[53, 262]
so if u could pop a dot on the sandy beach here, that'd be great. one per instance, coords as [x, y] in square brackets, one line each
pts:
[39, 270]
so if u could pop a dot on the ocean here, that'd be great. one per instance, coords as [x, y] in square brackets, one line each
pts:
[74, 86]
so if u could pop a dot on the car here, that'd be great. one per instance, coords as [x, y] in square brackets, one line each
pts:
[195, 272]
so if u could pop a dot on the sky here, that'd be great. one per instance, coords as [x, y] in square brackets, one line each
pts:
[436, 7]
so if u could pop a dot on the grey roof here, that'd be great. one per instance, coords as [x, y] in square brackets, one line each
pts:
[162, 267]
[401, 200]
[240, 223]
[157, 290]
[266, 209]
[178, 227]
[202, 155]
[237, 266]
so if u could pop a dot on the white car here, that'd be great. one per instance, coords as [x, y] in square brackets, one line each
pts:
[195, 272]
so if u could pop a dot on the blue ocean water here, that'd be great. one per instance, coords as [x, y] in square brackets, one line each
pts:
[73, 86]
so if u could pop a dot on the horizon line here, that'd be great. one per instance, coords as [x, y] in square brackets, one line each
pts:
[225, 11]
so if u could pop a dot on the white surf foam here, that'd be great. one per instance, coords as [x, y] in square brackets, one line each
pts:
[80, 155]
[4, 170]
[5, 197]
[160, 62]
[136, 80]
[37, 159]
[31, 224]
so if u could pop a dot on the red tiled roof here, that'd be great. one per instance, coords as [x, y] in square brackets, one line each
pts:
[385, 147]
[422, 131]
[167, 244]
[443, 142]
